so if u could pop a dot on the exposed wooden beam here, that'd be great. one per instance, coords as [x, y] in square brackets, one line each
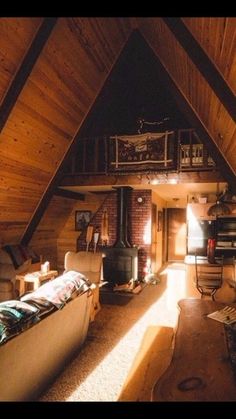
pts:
[55, 181]
[25, 69]
[203, 63]
[69, 194]
[103, 192]
[141, 179]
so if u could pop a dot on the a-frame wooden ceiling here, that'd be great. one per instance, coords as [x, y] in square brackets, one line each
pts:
[72, 59]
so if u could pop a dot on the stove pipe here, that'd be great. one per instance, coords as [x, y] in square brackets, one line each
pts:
[122, 217]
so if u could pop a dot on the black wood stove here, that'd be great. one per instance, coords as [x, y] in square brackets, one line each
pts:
[120, 264]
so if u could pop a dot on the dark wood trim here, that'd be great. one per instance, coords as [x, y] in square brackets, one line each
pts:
[69, 194]
[203, 63]
[25, 68]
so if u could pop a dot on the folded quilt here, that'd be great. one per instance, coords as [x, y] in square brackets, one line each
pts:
[61, 289]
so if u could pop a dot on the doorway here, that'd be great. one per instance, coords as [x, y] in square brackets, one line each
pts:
[176, 234]
[154, 238]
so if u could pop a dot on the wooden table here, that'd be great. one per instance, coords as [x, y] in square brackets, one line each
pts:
[200, 369]
[35, 278]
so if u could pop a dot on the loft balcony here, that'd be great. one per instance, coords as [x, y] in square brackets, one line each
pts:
[161, 153]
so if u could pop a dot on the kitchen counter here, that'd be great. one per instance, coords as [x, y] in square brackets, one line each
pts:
[190, 260]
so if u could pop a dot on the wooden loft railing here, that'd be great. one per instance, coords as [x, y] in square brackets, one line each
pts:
[193, 155]
[90, 158]
[92, 154]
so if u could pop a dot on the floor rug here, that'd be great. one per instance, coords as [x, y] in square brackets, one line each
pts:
[115, 298]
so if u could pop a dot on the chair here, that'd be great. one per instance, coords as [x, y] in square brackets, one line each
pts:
[209, 276]
[90, 265]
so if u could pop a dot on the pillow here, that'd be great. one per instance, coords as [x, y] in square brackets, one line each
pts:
[15, 317]
[61, 289]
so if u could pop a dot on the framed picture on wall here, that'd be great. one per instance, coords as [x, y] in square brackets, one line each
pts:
[159, 221]
[82, 219]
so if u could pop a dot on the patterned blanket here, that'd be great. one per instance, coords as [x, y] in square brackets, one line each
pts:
[61, 289]
[18, 315]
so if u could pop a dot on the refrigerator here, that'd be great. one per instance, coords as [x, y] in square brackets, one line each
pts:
[198, 233]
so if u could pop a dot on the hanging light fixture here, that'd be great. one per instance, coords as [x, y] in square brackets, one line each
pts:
[228, 196]
[219, 208]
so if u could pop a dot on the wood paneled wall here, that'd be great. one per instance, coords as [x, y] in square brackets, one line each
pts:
[68, 236]
[59, 92]
[190, 81]
[217, 35]
[56, 232]
[16, 35]
[44, 240]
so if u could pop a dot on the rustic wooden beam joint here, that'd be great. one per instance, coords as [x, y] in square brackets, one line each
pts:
[69, 194]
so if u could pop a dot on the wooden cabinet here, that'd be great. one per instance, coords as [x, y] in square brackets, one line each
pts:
[199, 211]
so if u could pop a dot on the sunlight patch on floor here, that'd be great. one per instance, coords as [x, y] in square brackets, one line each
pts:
[163, 312]
[176, 287]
